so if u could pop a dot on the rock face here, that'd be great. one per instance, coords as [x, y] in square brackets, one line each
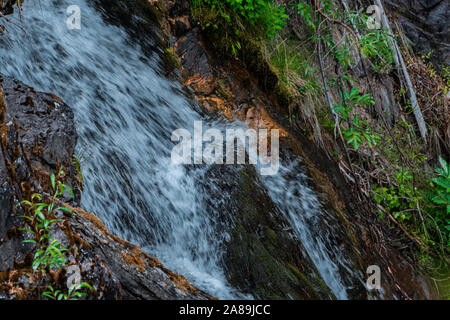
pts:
[426, 24]
[6, 6]
[37, 137]
[246, 89]
[263, 256]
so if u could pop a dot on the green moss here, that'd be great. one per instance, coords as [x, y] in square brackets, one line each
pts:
[440, 276]
[77, 166]
[261, 255]
[222, 91]
[172, 58]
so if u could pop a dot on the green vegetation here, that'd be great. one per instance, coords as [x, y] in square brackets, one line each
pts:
[411, 203]
[50, 253]
[41, 220]
[400, 178]
[73, 293]
[358, 131]
[441, 186]
[298, 72]
[446, 77]
[260, 18]
[415, 199]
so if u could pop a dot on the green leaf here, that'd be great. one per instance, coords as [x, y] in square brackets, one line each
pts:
[443, 182]
[52, 179]
[444, 166]
[69, 190]
[30, 241]
[25, 202]
[86, 285]
[36, 196]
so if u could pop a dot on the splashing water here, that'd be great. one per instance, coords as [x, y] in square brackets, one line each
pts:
[126, 110]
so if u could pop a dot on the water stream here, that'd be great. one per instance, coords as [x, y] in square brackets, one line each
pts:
[126, 110]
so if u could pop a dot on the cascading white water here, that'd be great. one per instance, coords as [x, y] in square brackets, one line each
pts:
[311, 223]
[125, 113]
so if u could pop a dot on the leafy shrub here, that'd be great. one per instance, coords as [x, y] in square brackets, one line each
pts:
[307, 13]
[419, 207]
[261, 18]
[401, 199]
[73, 293]
[375, 47]
[50, 253]
[441, 197]
[374, 43]
[359, 130]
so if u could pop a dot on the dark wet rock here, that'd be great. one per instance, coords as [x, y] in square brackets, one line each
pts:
[120, 269]
[177, 7]
[182, 25]
[44, 122]
[195, 62]
[6, 6]
[426, 24]
[263, 256]
[37, 135]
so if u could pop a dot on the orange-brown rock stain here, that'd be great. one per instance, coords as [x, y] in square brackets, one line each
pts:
[133, 254]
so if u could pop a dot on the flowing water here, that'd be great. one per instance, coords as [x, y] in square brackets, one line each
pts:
[126, 110]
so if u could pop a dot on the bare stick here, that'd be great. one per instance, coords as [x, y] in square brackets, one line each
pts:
[401, 63]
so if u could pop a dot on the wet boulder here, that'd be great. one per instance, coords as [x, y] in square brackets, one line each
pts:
[426, 24]
[263, 257]
[38, 136]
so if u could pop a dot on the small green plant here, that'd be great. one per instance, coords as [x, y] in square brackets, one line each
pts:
[358, 131]
[52, 256]
[374, 43]
[400, 199]
[295, 70]
[441, 195]
[307, 13]
[419, 207]
[50, 253]
[261, 17]
[74, 292]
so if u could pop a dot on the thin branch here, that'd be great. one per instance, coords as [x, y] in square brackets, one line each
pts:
[401, 65]
[336, 21]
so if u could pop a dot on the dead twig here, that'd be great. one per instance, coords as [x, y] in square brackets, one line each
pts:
[415, 240]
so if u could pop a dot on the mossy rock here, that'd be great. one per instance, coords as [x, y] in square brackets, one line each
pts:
[263, 257]
[224, 37]
[172, 58]
[137, 17]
